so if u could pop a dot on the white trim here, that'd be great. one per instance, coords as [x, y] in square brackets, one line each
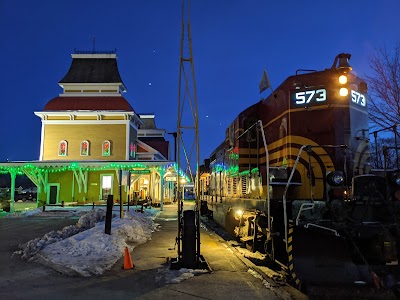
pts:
[85, 122]
[147, 116]
[41, 142]
[150, 150]
[151, 132]
[102, 147]
[128, 115]
[127, 141]
[85, 94]
[66, 148]
[90, 84]
[84, 113]
[88, 148]
[94, 55]
[101, 184]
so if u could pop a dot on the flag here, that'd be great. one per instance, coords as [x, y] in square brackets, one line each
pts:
[264, 83]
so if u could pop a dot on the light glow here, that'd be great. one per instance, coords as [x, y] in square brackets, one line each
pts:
[239, 213]
[343, 92]
[342, 79]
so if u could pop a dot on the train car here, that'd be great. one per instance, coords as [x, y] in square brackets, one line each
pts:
[293, 179]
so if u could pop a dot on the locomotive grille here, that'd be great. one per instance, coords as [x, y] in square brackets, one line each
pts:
[244, 185]
[229, 186]
[234, 185]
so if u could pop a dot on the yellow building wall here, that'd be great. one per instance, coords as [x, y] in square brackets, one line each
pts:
[69, 190]
[75, 134]
[65, 191]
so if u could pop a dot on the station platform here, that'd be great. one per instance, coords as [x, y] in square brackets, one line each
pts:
[229, 277]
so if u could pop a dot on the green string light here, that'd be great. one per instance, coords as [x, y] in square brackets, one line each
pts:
[19, 170]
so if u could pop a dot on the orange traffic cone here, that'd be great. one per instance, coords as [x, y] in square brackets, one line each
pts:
[377, 280]
[128, 264]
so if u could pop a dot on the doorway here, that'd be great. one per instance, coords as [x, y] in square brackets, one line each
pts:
[53, 192]
[106, 187]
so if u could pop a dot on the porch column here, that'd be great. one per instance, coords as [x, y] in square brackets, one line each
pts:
[151, 186]
[161, 189]
[13, 175]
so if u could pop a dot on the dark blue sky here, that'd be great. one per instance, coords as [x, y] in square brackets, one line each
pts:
[233, 41]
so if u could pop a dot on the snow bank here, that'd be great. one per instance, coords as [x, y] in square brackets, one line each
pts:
[88, 220]
[84, 249]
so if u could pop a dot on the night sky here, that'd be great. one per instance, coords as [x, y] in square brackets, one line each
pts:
[233, 42]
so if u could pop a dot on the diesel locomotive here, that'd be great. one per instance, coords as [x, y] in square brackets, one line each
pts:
[294, 179]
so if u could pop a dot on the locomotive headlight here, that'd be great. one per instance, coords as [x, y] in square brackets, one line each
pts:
[396, 179]
[343, 91]
[238, 214]
[335, 178]
[342, 79]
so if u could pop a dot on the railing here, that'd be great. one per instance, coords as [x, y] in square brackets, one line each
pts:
[95, 51]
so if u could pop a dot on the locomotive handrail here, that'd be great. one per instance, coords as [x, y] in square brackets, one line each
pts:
[259, 123]
[311, 206]
[267, 167]
[322, 227]
[291, 176]
[286, 189]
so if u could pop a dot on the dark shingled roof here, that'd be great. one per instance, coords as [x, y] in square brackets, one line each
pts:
[89, 103]
[93, 70]
[148, 123]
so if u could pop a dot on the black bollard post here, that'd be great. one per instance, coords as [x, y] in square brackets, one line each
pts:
[62, 204]
[93, 206]
[110, 202]
[44, 207]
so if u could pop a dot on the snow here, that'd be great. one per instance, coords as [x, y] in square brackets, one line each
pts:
[85, 250]
[177, 276]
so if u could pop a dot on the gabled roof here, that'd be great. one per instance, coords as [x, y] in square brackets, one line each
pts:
[109, 103]
[159, 144]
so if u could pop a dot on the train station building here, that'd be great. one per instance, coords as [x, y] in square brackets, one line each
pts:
[93, 143]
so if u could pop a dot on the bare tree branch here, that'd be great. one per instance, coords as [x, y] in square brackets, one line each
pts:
[384, 87]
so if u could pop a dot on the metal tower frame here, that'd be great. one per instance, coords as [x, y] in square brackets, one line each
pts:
[187, 121]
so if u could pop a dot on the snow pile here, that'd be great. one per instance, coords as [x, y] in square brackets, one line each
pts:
[85, 222]
[177, 276]
[84, 249]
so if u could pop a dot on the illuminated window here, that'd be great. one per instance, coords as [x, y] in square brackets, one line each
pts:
[106, 148]
[106, 186]
[85, 148]
[63, 148]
